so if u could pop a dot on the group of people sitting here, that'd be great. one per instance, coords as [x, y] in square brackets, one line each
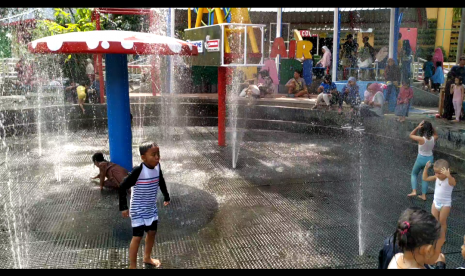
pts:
[374, 98]
[372, 105]
[256, 90]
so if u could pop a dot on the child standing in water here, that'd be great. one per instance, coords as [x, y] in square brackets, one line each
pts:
[145, 181]
[403, 101]
[418, 237]
[445, 183]
[426, 139]
[457, 91]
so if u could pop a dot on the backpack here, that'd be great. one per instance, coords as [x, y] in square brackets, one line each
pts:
[387, 252]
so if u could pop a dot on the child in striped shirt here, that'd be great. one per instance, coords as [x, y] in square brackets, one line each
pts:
[144, 181]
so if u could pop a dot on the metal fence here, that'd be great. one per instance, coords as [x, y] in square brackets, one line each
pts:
[417, 69]
[7, 69]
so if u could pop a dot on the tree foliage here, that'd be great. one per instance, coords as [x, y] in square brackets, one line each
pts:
[65, 22]
[68, 21]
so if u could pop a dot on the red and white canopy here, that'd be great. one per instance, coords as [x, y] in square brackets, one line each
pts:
[112, 42]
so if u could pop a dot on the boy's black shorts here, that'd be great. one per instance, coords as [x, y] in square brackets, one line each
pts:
[139, 230]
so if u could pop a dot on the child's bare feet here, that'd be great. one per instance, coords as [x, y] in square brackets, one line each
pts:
[422, 197]
[154, 262]
[412, 194]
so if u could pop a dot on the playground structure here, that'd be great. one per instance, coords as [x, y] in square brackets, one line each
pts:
[229, 40]
[116, 45]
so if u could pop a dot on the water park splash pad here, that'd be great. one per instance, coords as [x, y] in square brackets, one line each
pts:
[303, 194]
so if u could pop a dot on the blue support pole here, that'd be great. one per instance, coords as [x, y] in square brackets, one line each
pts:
[279, 34]
[228, 18]
[338, 38]
[118, 110]
[396, 33]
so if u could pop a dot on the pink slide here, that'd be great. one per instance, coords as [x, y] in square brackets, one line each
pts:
[270, 65]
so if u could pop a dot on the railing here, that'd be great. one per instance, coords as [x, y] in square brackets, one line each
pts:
[417, 69]
[7, 69]
[447, 66]
[135, 73]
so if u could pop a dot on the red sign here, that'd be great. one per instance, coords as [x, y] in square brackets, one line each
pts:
[306, 33]
[213, 45]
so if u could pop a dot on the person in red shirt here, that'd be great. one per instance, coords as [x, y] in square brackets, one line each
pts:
[403, 101]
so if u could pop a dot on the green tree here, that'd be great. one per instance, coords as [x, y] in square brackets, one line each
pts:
[80, 20]
[5, 43]
[73, 66]
[457, 13]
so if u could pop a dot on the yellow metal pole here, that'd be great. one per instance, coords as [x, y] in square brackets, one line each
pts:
[199, 17]
[219, 18]
[219, 15]
[189, 18]
[253, 42]
[241, 15]
[297, 35]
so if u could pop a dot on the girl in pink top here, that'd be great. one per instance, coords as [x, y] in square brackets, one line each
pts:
[403, 101]
[457, 90]
[325, 60]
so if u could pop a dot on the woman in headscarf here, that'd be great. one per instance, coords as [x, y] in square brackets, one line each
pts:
[382, 56]
[438, 56]
[374, 107]
[392, 77]
[406, 60]
[350, 95]
[325, 60]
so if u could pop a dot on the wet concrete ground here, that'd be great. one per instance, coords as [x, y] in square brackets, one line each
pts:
[294, 201]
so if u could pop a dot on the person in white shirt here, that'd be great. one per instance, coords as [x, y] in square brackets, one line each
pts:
[418, 237]
[426, 139]
[251, 91]
[90, 71]
[445, 183]
[373, 107]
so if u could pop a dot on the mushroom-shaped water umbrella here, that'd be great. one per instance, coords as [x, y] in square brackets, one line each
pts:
[116, 45]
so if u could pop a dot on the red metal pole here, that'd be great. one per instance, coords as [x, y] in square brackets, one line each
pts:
[222, 106]
[99, 63]
[125, 11]
[94, 55]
